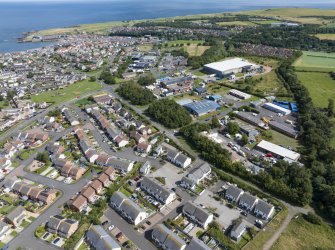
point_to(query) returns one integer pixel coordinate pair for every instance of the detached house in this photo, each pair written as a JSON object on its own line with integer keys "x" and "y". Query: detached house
{"x": 63, "y": 227}
{"x": 16, "y": 216}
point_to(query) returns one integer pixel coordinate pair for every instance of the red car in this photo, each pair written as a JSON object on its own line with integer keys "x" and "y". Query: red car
{"x": 269, "y": 155}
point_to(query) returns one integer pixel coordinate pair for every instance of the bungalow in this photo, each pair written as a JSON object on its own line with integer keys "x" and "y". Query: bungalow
{"x": 247, "y": 201}
{"x": 79, "y": 203}
{"x": 155, "y": 189}
{"x": 98, "y": 238}
{"x": 233, "y": 193}
{"x": 238, "y": 230}
{"x": 16, "y": 216}
{"x": 166, "y": 239}
{"x": 197, "y": 214}
{"x": 264, "y": 210}
{"x": 127, "y": 208}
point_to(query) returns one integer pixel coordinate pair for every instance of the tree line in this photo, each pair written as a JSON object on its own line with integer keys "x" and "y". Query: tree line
{"x": 136, "y": 94}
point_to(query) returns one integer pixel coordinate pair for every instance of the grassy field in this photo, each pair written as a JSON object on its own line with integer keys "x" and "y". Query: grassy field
{"x": 68, "y": 93}
{"x": 185, "y": 42}
{"x": 315, "y": 61}
{"x": 238, "y": 23}
{"x": 263, "y": 236}
{"x": 295, "y": 14}
{"x": 195, "y": 50}
{"x": 326, "y": 36}
{"x": 320, "y": 85}
{"x": 281, "y": 139}
{"x": 302, "y": 235}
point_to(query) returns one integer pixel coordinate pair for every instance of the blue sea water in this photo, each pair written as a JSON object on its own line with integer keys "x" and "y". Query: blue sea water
{"x": 19, "y": 17}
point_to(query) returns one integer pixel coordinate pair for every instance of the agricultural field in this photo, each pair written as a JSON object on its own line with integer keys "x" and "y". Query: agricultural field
{"x": 315, "y": 61}
{"x": 302, "y": 235}
{"x": 191, "y": 46}
{"x": 237, "y": 23}
{"x": 320, "y": 85}
{"x": 326, "y": 36}
{"x": 301, "y": 15}
{"x": 68, "y": 93}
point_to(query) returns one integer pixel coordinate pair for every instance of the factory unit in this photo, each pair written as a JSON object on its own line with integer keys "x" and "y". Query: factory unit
{"x": 281, "y": 128}
{"x": 275, "y": 108}
{"x": 245, "y": 116}
{"x": 229, "y": 67}
{"x": 278, "y": 151}
{"x": 239, "y": 94}
{"x": 202, "y": 107}
{"x": 247, "y": 129}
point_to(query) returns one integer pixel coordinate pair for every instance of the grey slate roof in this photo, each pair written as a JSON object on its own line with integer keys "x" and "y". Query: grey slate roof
{"x": 54, "y": 222}
{"x": 263, "y": 207}
{"x": 200, "y": 214}
{"x": 234, "y": 191}
{"x": 248, "y": 199}
{"x": 156, "y": 188}
{"x": 100, "y": 239}
{"x": 17, "y": 212}
{"x": 197, "y": 173}
{"x": 197, "y": 244}
{"x": 119, "y": 164}
{"x": 169, "y": 238}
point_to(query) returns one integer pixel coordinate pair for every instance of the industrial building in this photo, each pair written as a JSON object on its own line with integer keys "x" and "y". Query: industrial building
{"x": 229, "y": 67}
{"x": 239, "y": 94}
{"x": 245, "y": 116}
{"x": 275, "y": 108}
{"x": 278, "y": 151}
{"x": 202, "y": 107}
{"x": 247, "y": 129}
{"x": 281, "y": 128}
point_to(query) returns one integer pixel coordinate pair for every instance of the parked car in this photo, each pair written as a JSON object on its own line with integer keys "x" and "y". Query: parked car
{"x": 111, "y": 227}
{"x": 55, "y": 241}
{"x": 46, "y": 235}
{"x": 105, "y": 222}
{"x": 148, "y": 222}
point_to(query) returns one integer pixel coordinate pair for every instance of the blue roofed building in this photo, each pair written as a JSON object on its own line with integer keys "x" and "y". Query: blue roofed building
{"x": 215, "y": 98}
{"x": 202, "y": 107}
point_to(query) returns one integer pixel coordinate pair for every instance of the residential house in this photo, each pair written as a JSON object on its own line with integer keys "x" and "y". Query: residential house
{"x": 34, "y": 193}
{"x": 238, "y": 230}
{"x": 247, "y": 201}
{"x": 145, "y": 168}
{"x": 47, "y": 196}
{"x": 166, "y": 239}
{"x": 76, "y": 173}
{"x": 5, "y": 162}
{"x": 110, "y": 171}
{"x": 16, "y": 216}
{"x": 264, "y": 210}
{"x": 127, "y": 208}
{"x": 178, "y": 158}
{"x": 57, "y": 224}
{"x": 9, "y": 182}
{"x": 137, "y": 137}
{"x": 104, "y": 179}
{"x": 98, "y": 238}
{"x": 4, "y": 230}
{"x": 123, "y": 165}
{"x": 79, "y": 203}
{"x": 97, "y": 186}
{"x": 196, "y": 176}
{"x": 90, "y": 194}
{"x": 233, "y": 193}
{"x": 144, "y": 148}
{"x": 155, "y": 189}
{"x": 197, "y": 244}
{"x": 197, "y": 214}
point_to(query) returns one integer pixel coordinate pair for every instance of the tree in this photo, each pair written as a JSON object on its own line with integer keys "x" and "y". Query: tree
{"x": 107, "y": 77}
{"x": 136, "y": 94}
{"x": 43, "y": 157}
{"x": 233, "y": 128}
{"x": 93, "y": 79}
{"x": 215, "y": 122}
{"x": 147, "y": 79}
{"x": 244, "y": 139}
{"x": 330, "y": 109}
{"x": 11, "y": 97}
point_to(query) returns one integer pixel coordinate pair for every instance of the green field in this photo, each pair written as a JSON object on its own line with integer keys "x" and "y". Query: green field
{"x": 237, "y": 23}
{"x": 315, "y": 61}
{"x": 320, "y": 85}
{"x": 326, "y": 36}
{"x": 302, "y": 235}
{"x": 75, "y": 90}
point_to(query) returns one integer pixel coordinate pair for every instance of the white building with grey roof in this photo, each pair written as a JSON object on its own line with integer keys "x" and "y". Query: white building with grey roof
{"x": 128, "y": 209}
{"x": 197, "y": 214}
{"x": 264, "y": 210}
{"x": 233, "y": 193}
{"x": 123, "y": 165}
{"x": 98, "y": 238}
{"x": 197, "y": 244}
{"x": 157, "y": 190}
{"x": 195, "y": 176}
{"x": 238, "y": 230}
{"x": 247, "y": 201}
{"x": 166, "y": 239}
{"x": 178, "y": 158}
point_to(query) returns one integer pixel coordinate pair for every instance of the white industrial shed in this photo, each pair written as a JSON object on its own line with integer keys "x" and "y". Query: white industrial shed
{"x": 276, "y": 150}
{"x": 228, "y": 67}
{"x": 276, "y": 108}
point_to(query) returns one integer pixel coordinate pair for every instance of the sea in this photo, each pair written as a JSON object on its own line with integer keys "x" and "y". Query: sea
{"x": 19, "y": 16}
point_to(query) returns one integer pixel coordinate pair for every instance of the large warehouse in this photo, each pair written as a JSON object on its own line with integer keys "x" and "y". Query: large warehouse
{"x": 229, "y": 67}
{"x": 276, "y": 108}
{"x": 202, "y": 107}
{"x": 278, "y": 151}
